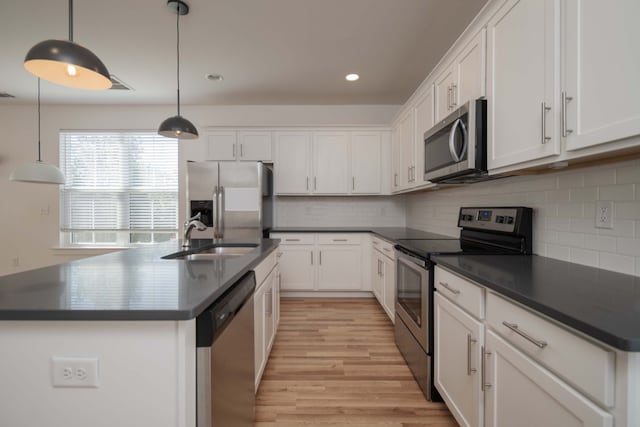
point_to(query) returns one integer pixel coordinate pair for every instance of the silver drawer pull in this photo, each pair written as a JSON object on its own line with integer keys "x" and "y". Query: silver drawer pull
{"x": 483, "y": 377}
{"x": 470, "y": 341}
{"x": 340, "y": 240}
{"x": 514, "y": 328}
{"x": 449, "y": 288}
{"x": 292, "y": 240}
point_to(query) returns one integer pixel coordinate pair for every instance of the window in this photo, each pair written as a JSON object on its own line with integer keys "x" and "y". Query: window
{"x": 121, "y": 188}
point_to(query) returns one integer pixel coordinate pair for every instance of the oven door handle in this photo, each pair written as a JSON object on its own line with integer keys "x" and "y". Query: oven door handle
{"x": 452, "y": 140}
{"x": 404, "y": 254}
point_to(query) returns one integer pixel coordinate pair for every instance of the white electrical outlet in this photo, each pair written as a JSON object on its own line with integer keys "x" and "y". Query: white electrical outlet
{"x": 604, "y": 214}
{"x": 74, "y": 372}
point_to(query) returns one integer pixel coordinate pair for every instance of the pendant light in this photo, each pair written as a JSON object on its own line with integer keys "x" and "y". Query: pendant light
{"x": 177, "y": 126}
{"x": 67, "y": 63}
{"x": 38, "y": 171}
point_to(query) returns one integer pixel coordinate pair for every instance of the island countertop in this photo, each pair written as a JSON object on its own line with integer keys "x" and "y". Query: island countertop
{"x": 134, "y": 284}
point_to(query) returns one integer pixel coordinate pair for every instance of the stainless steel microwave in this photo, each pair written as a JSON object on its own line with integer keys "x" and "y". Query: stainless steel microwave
{"x": 455, "y": 149}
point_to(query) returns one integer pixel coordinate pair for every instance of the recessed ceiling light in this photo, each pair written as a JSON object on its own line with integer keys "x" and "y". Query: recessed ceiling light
{"x": 215, "y": 77}
{"x": 352, "y": 77}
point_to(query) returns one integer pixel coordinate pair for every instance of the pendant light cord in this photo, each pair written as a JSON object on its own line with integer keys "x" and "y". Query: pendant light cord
{"x": 39, "y": 157}
{"x": 70, "y": 20}
{"x": 178, "y": 52}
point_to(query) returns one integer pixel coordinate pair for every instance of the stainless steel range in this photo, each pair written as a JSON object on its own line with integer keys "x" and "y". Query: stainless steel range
{"x": 505, "y": 230}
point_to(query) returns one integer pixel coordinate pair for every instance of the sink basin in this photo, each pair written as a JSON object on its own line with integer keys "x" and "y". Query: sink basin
{"x": 211, "y": 252}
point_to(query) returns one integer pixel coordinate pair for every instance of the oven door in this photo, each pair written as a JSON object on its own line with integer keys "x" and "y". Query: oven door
{"x": 412, "y": 296}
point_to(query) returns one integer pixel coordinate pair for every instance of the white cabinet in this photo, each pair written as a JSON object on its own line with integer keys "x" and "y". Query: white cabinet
{"x": 523, "y": 81}
{"x": 521, "y": 392}
{"x": 266, "y": 306}
{"x": 404, "y": 152}
{"x": 330, "y": 162}
{"x": 464, "y": 79}
{"x": 602, "y": 66}
{"x": 366, "y": 163}
{"x": 458, "y": 340}
{"x": 383, "y": 275}
{"x": 239, "y": 145}
{"x": 396, "y": 159}
{"x": 424, "y": 113}
{"x": 292, "y": 168}
{"x": 320, "y": 262}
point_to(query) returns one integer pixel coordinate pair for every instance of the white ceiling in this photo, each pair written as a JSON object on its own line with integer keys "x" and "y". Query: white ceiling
{"x": 269, "y": 51}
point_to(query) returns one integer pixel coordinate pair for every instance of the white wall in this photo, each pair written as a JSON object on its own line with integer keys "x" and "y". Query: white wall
{"x": 387, "y": 211}
{"x": 29, "y": 214}
{"x": 564, "y": 212}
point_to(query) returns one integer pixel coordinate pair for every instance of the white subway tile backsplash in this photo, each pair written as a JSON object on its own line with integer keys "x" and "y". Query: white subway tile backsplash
{"x": 536, "y": 197}
{"x": 581, "y": 225}
{"x": 620, "y": 263}
{"x": 558, "y": 196}
{"x": 571, "y": 180}
{"x": 570, "y": 210}
{"x": 628, "y": 246}
{"x": 558, "y": 224}
{"x": 621, "y": 228}
{"x": 599, "y": 176}
{"x": 558, "y": 252}
{"x": 600, "y": 243}
{"x": 589, "y": 210}
{"x": 570, "y": 239}
{"x": 584, "y": 257}
{"x": 587, "y": 194}
{"x": 622, "y": 192}
{"x": 628, "y": 175}
{"x": 627, "y": 210}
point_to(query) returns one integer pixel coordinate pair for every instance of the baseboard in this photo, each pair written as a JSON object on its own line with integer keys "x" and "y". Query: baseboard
{"x": 325, "y": 294}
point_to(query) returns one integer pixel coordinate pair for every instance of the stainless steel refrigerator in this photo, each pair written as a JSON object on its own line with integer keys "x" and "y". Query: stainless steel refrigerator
{"x": 234, "y": 199}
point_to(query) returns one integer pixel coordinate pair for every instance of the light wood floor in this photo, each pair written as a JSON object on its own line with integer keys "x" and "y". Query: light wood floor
{"x": 335, "y": 363}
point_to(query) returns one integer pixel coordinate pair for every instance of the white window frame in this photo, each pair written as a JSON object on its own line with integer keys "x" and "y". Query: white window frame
{"x": 118, "y": 236}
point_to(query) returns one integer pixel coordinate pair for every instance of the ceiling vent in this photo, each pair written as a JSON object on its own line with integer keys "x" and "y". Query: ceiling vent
{"x": 119, "y": 84}
{"x": 6, "y": 95}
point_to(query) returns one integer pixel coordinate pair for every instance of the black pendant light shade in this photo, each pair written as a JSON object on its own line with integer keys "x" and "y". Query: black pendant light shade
{"x": 67, "y": 63}
{"x": 177, "y": 126}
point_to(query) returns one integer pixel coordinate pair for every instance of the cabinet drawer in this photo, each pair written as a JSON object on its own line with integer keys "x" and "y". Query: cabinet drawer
{"x": 339, "y": 239}
{"x": 467, "y": 295}
{"x": 383, "y": 246}
{"x": 587, "y": 366}
{"x": 263, "y": 269}
{"x": 294, "y": 238}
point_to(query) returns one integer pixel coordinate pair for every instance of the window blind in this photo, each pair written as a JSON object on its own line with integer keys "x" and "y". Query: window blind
{"x": 119, "y": 182}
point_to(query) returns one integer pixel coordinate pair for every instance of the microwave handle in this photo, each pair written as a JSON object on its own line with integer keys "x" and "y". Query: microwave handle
{"x": 452, "y": 140}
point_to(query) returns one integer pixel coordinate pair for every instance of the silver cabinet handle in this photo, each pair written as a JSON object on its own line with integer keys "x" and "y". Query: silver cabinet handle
{"x": 395, "y": 179}
{"x": 315, "y": 183}
{"x": 409, "y": 174}
{"x": 545, "y": 138}
{"x": 483, "y": 380}
{"x": 340, "y": 240}
{"x": 291, "y": 240}
{"x": 234, "y": 149}
{"x": 241, "y": 151}
{"x": 449, "y": 97}
{"x": 449, "y": 288}
{"x": 311, "y": 257}
{"x": 353, "y": 183}
{"x": 379, "y": 273}
{"x": 320, "y": 257}
{"x": 514, "y": 328}
{"x": 565, "y": 100}
{"x": 470, "y": 340}
{"x": 307, "y": 183}
{"x": 454, "y": 89}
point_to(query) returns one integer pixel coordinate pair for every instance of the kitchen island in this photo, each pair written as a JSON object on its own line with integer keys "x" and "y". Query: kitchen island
{"x": 131, "y": 314}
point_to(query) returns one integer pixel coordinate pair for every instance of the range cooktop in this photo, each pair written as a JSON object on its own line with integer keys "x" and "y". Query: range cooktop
{"x": 426, "y": 248}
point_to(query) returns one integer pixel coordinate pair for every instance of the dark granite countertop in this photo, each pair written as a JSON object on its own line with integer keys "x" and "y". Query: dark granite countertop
{"x": 135, "y": 284}
{"x": 600, "y": 303}
{"x": 389, "y": 233}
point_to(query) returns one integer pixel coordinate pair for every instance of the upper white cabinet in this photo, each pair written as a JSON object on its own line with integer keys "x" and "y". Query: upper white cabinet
{"x": 366, "y": 162}
{"x": 602, "y": 65}
{"x": 407, "y": 138}
{"x": 462, "y": 80}
{"x": 292, "y": 167}
{"x": 240, "y": 145}
{"x": 523, "y": 69}
{"x": 424, "y": 114}
{"x": 330, "y": 162}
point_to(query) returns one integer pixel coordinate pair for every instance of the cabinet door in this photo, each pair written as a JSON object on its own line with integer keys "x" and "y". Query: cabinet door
{"x": 254, "y": 145}
{"x": 366, "y": 162}
{"x": 470, "y": 70}
{"x": 293, "y": 158}
{"x": 522, "y": 393}
{"x": 396, "y": 159}
{"x": 297, "y": 270}
{"x": 407, "y": 136}
{"x": 339, "y": 268}
{"x": 389, "y": 287}
{"x": 330, "y": 162}
{"x": 377, "y": 277}
{"x": 457, "y": 344}
{"x": 276, "y": 299}
{"x": 269, "y": 325}
{"x": 602, "y": 69}
{"x": 222, "y": 146}
{"x": 444, "y": 93}
{"x": 424, "y": 112}
{"x": 521, "y": 87}
{"x": 258, "y": 336}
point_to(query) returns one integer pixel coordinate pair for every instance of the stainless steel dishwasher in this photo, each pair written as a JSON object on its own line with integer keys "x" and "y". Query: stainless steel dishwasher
{"x": 225, "y": 359}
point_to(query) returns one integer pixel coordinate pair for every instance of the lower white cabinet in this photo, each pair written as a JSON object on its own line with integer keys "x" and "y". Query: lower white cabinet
{"x": 266, "y": 306}
{"x": 520, "y": 392}
{"x": 383, "y": 275}
{"x": 320, "y": 261}
{"x": 458, "y": 341}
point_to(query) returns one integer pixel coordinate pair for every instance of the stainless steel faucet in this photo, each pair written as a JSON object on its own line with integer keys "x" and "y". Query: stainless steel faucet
{"x": 189, "y": 225}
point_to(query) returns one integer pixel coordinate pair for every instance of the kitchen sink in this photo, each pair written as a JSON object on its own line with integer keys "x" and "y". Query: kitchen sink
{"x": 215, "y": 251}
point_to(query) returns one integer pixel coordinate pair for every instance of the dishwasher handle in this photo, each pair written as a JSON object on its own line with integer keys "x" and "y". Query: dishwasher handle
{"x": 212, "y": 321}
